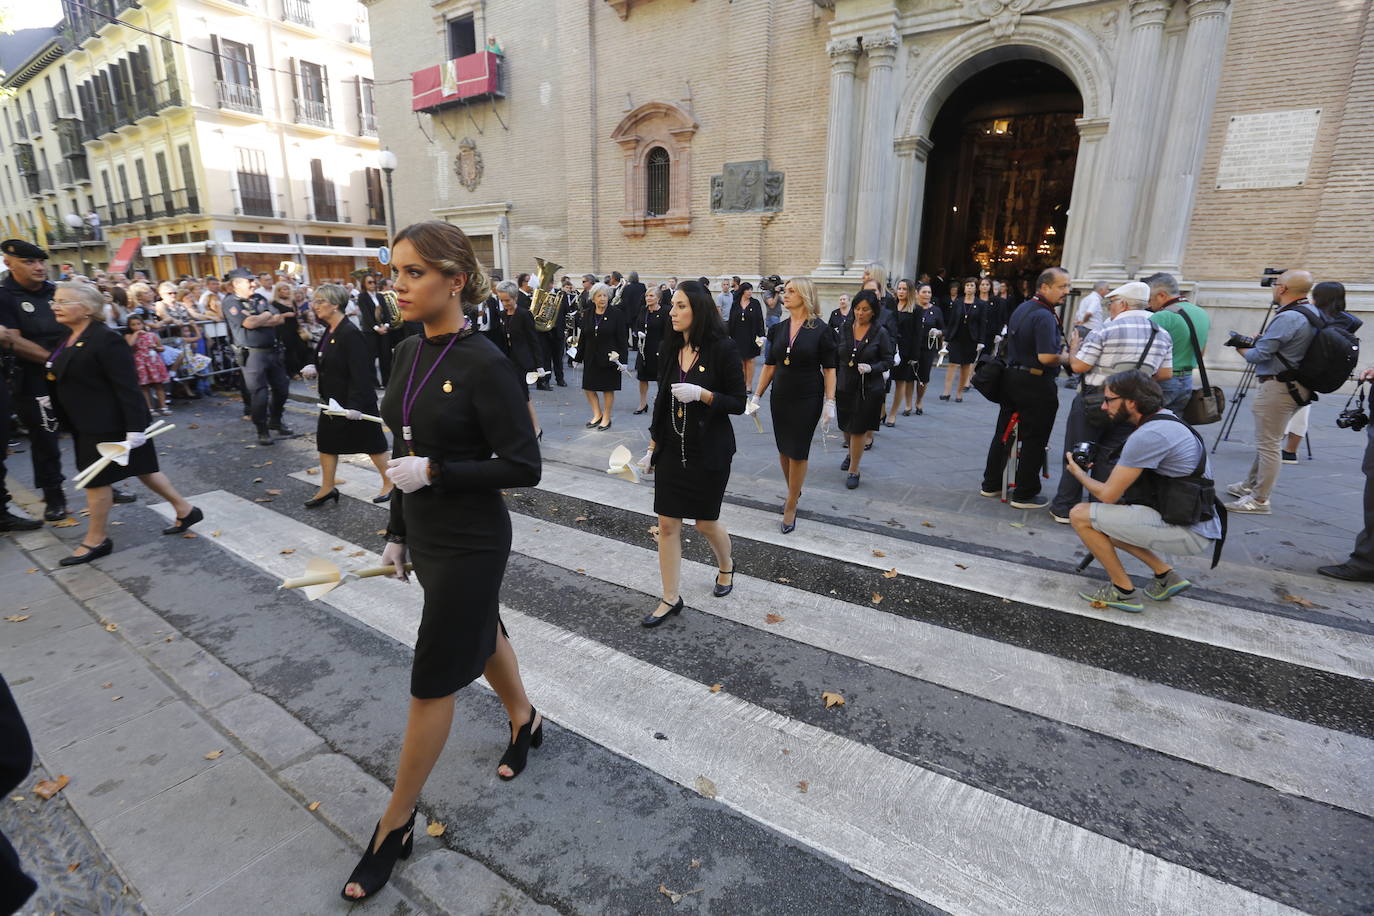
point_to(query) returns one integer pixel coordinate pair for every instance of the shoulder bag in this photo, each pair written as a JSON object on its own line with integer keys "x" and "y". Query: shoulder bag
{"x": 1206, "y": 404}
{"x": 1093, "y": 413}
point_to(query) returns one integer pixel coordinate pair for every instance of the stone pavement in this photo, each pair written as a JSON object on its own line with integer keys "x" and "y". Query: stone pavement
{"x": 148, "y": 727}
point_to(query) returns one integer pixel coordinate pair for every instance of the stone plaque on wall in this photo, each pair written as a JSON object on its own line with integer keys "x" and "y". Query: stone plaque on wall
{"x": 1268, "y": 149}
{"x": 746, "y": 187}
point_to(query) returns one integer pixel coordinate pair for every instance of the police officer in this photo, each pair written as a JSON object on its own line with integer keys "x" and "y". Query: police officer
{"x": 252, "y": 326}
{"x": 31, "y": 333}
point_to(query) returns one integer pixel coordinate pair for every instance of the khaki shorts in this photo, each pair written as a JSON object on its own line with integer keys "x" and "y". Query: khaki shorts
{"x": 1141, "y": 526}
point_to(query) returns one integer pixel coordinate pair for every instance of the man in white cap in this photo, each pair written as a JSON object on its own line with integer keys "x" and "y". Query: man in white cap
{"x": 1128, "y": 339}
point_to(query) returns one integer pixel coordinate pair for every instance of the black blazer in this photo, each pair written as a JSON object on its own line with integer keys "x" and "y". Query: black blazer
{"x": 966, "y": 317}
{"x": 746, "y": 326}
{"x": 876, "y": 349}
{"x": 368, "y": 312}
{"x": 632, "y": 301}
{"x": 516, "y": 338}
{"x": 96, "y": 386}
{"x": 594, "y": 347}
{"x": 344, "y": 361}
{"x": 720, "y": 371}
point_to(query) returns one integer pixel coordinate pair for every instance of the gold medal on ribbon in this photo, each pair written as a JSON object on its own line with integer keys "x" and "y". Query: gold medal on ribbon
{"x": 448, "y": 387}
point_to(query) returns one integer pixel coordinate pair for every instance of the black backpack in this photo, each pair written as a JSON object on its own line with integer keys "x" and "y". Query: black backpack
{"x": 1330, "y": 358}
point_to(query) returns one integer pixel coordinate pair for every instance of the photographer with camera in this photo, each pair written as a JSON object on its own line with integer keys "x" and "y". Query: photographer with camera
{"x": 1159, "y": 496}
{"x": 1359, "y": 567}
{"x": 1283, "y": 345}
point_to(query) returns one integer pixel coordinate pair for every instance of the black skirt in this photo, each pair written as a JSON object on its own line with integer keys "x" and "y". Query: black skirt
{"x": 963, "y": 349}
{"x": 600, "y": 377}
{"x": 794, "y": 424}
{"x": 142, "y": 460}
{"x": 342, "y": 436}
{"x": 688, "y": 492}
{"x": 924, "y": 362}
{"x": 858, "y": 411}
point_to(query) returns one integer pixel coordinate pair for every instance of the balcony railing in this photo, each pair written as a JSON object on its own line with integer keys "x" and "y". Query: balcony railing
{"x": 178, "y": 202}
{"x": 238, "y": 97}
{"x": 109, "y": 118}
{"x": 23, "y": 155}
{"x": 334, "y": 211}
{"x": 257, "y": 206}
{"x": 367, "y": 124}
{"x": 316, "y": 114}
{"x": 69, "y": 137}
{"x": 64, "y": 106}
{"x": 63, "y": 235}
{"x": 297, "y": 11}
{"x": 457, "y": 82}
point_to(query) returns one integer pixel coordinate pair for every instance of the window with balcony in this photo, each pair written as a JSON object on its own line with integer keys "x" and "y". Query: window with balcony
{"x": 297, "y": 11}
{"x": 236, "y": 75}
{"x": 462, "y": 37}
{"x": 255, "y": 187}
{"x": 312, "y": 94}
{"x": 326, "y": 207}
{"x": 367, "y": 110}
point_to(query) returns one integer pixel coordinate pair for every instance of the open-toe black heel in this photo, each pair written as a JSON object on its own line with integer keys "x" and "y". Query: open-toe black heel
{"x": 374, "y": 871}
{"x": 519, "y": 749}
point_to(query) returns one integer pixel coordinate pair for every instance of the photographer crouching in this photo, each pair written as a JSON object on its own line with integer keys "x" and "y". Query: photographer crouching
{"x": 1159, "y": 496}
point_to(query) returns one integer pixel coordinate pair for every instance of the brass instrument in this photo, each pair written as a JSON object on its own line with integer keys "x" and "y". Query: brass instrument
{"x": 391, "y": 311}
{"x": 544, "y": 303}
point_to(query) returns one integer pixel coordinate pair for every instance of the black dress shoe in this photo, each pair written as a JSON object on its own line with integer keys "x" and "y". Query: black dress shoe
{"x": 92, "y": 553}
{"x": 123, "y": 498}
{"x": 385, "y": 497}
{"x": 1347, "y": 571}
{"x": 788, "y": 529}
{"x": 720, "y": 591}
{"x": 321, "y": 500}
{"x": 55, "y": 513}
{"x": 851, "y": 482}
{"x": 592, "y": 423}
{"x": 11, "y": 522}
{"x": 562, "y": 384}
{"x": 642, "y": 410}
{"x": 282, "y": 430}
{"x": 184, "y": 524}
{"x": 605, "y": 426}
{"x": 652, "y": 621}
{"x": 374, "y": 871}
{"x": 944, "y": 397}
{"x": 518, "y": 750}
{"x": 264, "y": 437}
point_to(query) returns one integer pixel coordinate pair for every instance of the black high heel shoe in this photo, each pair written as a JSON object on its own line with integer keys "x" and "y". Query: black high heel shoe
{"x": 385, "y": 497}
{"x": 590, "y": 423}
{"x": 652, "y": 621}
{"x": 374, "y": 871}
{"x": 644, "y": 409}
{"x": 604, "y": 426}
{"x": 519, "y": 749}
{"x": 321, "y": 500}
{"x": 720, "y": 591}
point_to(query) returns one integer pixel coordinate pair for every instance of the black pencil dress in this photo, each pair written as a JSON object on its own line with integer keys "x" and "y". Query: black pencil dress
{"x": 653, "y": 325}
{"x": 927, "y": 320}
{"x": 601, "y": 336}
{"x": 964, "y": 331}
{"x": 798, "y": 388}
{"x": 907, "y": 345}
{"x": 859, "y": 397}
{"x": 745, "y": 327}
{"x": 470, "y": 419}
{"x": 344, "y": 361}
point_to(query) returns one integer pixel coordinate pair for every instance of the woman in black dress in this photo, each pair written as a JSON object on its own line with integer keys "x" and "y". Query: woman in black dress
{"x": 95, "y": 389}
{"x": 994, "y": 311}
{"x": 464, "y": 436}
{"x": 295, "y": 346}
{"x": 518, "y": 339}
{"x": 650, "y": 330}
{"x": 343, "y": 362}
{"x": 904, "y": 367}
{"x": 930, "y": 334}
{"x": 964, "y": 333}
{"x": 864, "y": 354}
{"x": 746, "y": 329}
{"x": 801, "y": 363}
{"x": 839, "y": 315}
{"x": 691, "y": 441}
{"x": 603, "y": 343}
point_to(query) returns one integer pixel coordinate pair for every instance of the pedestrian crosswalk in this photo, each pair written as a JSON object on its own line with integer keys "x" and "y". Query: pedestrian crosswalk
{"x": 972, "y": 770}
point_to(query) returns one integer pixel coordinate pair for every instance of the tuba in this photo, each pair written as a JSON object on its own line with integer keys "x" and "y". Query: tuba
{"x": 544, "y": 303}
{"x": 391, "y": 312}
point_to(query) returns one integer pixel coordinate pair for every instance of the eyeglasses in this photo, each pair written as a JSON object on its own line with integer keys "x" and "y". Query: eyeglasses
{"x": 1115, "y": 397}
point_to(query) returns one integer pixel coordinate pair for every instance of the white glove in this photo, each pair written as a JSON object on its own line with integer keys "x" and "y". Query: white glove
{"x": 827, "y": 413}
{"x": 309, "y": 371}
{"x": 758, "y": 341}
{"x": 686, "y": 392}
{"x": 646, "y": 463}
{"x": 864, "y": 368}
{"x": 623, "y": 367}
{"x": 395, "y": 555}
{"x": 409, "y": 473}
{"x": 380, "y": 328}
{"x": 752, "y": 407}
{"x": 614, "y": 356}
{"x": 352, "y": 414}
{"x": 135, "y": 440}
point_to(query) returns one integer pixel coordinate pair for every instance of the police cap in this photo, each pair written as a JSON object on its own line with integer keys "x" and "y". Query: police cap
{"x": 239, "y": 273}
{"x": 19, "y": 248}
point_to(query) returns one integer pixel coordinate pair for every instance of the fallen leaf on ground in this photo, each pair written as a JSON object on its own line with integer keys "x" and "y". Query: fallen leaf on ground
{"x": 1100, "y": 605}
{"x": 190, "y": 535}
{"x": 168, "y": 639}
{"x": 774, "y": 618}
{"x": 671, "y": 895}
{"x": 312, "y": 806}
{"x": 381, "y": 531}
{"x": 653, "y": 531}
{"x": 927, "y": 524}
{"x": 278, "y": 492}
{"x": 879, "y": 553}
{"x": 73, "y": 867}
{"x": 1299, "y": 601}
{"x": 16, "y": 798}
{"x": 107, "y": 685}
{"x": 287, "y": 551}
{"x": 877, "y": 598}
{"x": 34, "y": 570}
{"x": 891, "y": 573}
{"x": 358, "y": 553}
{"x": 580, "y": 518}
{"x": 832, "y": 699}
{"x": 216, "y": 533}
{"x": 263, "y": 499}
{"x": 706, "y": 787}
{"x": 580, "y": 570}
{"x": 18, "y": 618}
{"x": 116, "y": 698}
{"x": 803, "y": 786}
{"x": 337, "y": 547}
{"x": 257, "y": 480}
{"x": 696, "y": 863}
{"x": 116, "y": 523}
{"x": 784, "y": 580}
{"x": 435, "y": 829}
{"x": 787, "y": 750}
{"x": 214, "y": 755}
{"x": 312, "y": 471}
{"x": 111, "y": 627}
{"x": 715, "y": 688}
{"x": 961, "y": 565}
{"x": 193, "y": 426}
{"x": 1017, "y": 524}
{"x": 47, "y": 788}
{"x": 67, "y": 522}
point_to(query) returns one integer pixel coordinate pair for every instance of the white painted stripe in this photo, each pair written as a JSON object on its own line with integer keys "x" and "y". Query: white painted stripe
{"x": 930, "y": 836}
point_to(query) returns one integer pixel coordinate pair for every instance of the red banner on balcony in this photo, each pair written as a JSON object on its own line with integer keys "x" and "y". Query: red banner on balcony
{"x": 128, "y": 249}
{"x": 455, "y": 80}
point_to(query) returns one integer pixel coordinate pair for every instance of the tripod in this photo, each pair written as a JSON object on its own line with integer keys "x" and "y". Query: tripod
{"x": 1242, "y": 389}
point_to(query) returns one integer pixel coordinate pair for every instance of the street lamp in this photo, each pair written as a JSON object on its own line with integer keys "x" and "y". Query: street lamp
{"x": 387, "y": 160}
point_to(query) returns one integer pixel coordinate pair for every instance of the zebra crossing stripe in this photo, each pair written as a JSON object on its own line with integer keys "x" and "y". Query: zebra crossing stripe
{"x": 949, "y": 844}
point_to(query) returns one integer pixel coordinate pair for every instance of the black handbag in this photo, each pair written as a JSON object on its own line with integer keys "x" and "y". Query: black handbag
{"x": 990, "y": 369}
{"x": 1094, "y": 415}
{"x": 1208, "y": 403}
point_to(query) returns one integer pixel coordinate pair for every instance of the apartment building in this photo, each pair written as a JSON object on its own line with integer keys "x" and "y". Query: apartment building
{"x": 193, "y": 136}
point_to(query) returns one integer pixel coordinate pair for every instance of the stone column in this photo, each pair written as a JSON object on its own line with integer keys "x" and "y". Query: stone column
{"x": 912, "y": 153}
{"x": 1083, "y": 216}
{"x": 844, "y": 57}
{"x": 1133, "y": 112}
{"x": 1199, "y": 72}
{"x": 875, "y": 147}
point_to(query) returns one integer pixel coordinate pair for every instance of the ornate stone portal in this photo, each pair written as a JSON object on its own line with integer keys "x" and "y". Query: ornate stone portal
{"x": 746, "y": 187}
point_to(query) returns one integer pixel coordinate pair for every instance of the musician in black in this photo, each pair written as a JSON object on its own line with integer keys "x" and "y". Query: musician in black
{"x": 652, "y": 322}
{"x": 458, "y": 404}
{"x": 864, "y": 354}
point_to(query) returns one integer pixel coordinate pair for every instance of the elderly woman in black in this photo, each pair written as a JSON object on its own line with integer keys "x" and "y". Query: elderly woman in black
{"x": 458, "y": 404}
{"x": 650, "y": 328}
{"x": 691, "y": 441}
{"x": 343, "y": 363}
{"x": 801, "y": 361}
{"x": 95, "y": 387}
{"x": 602, "y": 345}
{"x": 746, "y": 329}
{"x": 518, "y": 339}
{"x": 864, "y": 354}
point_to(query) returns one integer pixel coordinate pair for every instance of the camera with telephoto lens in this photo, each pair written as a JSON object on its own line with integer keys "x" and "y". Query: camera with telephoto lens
{"x": 1083, "y": 454}
{"x": 1239, "y": 341}
{"x": 1354, "y": 417}
{"x": 1270, "y": 275}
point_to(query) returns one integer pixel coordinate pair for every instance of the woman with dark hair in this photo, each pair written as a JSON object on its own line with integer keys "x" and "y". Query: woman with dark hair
{"x": 296, "y": 348}
{"x": 650, "y": 331}
{"x": 904, "y": 370}
{"x": 691, "y": 441}
{"x": 464, "y": 437}
{"x": 929, "y": 334}
{"x": 343, "y": 363}
{"x": 517, "y": 338}
{"x": 963, "y": 332}
{"x": 601, "y": 346}
{"x": 864, "y": 354}
{"x": 994, "y": 311}
{"x": 746, "y": 328}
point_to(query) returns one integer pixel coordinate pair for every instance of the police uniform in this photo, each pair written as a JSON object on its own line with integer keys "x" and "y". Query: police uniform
{"x": 264, "y": 374}
{"x": 29, "y": 311}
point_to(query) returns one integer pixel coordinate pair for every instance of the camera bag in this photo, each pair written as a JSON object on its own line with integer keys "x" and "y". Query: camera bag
{"x": 1206, "y": 404}
{"x": 1330, "y": 359}
{"x": 1180, "y": 500}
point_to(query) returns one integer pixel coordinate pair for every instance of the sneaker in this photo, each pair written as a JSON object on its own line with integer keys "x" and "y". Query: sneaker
{"x": 1290, "y": 457}
{"x": 1111, "y": 596}
{"x": 989, "y": 493}
{"x": 1029, "y": 504}
{"x": 1166, "y": 588}
{"x": 1251, "y": 504}
{"x": 1061, "y": 519}
{"x": 11, "y": 522}
{"x": 1239, "y": 488}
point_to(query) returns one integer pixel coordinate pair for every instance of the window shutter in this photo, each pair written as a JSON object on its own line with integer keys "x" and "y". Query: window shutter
{"x": 252, "y": 66}
{"x": 358, "y": 94}
{"x": 295, "y": 81}
{"x": 324, "y": 91}
{"x": 219, "y": 66}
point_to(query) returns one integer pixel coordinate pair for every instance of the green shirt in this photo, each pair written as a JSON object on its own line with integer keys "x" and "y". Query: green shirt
{"x": 1185, "y": 360}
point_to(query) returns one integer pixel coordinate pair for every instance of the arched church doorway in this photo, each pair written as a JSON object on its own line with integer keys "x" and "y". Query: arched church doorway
{"x": 1000, "y": 173}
